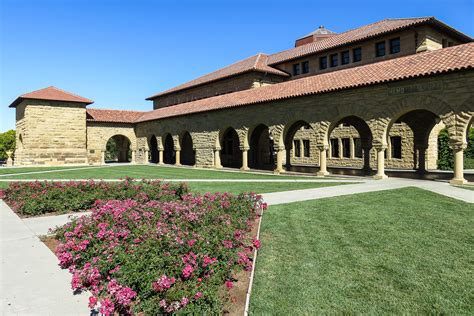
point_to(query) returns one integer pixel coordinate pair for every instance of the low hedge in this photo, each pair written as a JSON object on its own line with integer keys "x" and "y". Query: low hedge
{"x": 160, "y": 257}
{"x": 36, "y": 198}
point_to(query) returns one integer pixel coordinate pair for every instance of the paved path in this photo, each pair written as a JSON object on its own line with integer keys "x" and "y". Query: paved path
{"x": 315, "y": 180}
{"x": 33, "y": 284}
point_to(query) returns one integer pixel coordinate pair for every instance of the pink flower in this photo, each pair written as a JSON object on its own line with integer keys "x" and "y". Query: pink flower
{"x": 227, "y": 244}
{"x": 198, "y": 295}
{"x": 191, "y": 242}
{"x": 256, "y": 243}
{"x": 264, "y": 206}
{"x": 92, "y": 302}
{"x": 107, "y": 307}
{"x": 187, "y": 271}
{"x": 229, "y": 284}
{"x": 184, "y": 301}
{"x": 163, "y": 283}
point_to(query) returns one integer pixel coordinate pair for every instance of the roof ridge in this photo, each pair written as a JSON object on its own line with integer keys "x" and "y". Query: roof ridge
{"x": 95, "y": 109}
{"x": 67, "y": 92}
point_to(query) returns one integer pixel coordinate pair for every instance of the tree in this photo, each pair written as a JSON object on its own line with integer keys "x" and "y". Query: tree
{"x": 7, "y": 142}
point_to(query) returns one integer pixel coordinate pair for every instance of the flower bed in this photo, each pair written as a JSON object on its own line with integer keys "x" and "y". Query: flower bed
{"x": 37, "y": 198}
{"x": 160, "y": 256}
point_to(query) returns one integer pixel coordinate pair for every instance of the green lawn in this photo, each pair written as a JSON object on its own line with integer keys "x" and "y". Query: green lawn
{"x": 467, "y": 187}
{"x": 148, "y": 172}
{"x": 4, "y": 170}
{"x": 399, "y": 251}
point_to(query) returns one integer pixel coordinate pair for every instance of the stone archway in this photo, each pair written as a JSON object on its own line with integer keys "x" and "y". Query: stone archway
{"x": 262, "y": 151}
{"x": 169, "y": 153}
{"x": 230, "y": 153}
{"x": 188, "y": 155}
{"x": 118, "y": 149}
{"x": 297, "y": 139}
{"x": 349, "y": 142}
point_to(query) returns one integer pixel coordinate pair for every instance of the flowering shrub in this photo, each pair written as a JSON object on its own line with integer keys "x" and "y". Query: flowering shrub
{"x": 160, "y": 256}
{"x": 36, "y": 198}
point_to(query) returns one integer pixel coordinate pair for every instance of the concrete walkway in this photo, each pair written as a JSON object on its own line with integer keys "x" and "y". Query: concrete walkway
{"x": 33, "y": 284}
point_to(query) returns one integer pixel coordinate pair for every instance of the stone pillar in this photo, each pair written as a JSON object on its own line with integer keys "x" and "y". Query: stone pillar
{"x": 380, "y": 163}
{"x": 279, "y": 162}
{"x": 178, "y": 157}
{"x": 245, "y": 155}
{"x": 9, "y": 159}
{"x": 341, "y": 148}
{"x": 323, "y": 171}
{"x": 217, "y": 159}
{"x": 301, "y": 148}
{"x": 134, "y": 154}
{"x": 421, "y": 157}
{"x": 160, "y": 156}
{"x": 458, "y": 164}
{"x": 147, "y": 158}
{"x": 102, "y": 157}
{"x": 352, "y": 147}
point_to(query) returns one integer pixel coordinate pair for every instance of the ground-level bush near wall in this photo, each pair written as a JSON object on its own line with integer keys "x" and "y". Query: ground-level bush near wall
{"x": 160, "y": 256}
{"x": 36, "y": 198}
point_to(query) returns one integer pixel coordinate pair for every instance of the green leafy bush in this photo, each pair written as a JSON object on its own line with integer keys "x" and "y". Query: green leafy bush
{"x": 36, "y": 198}
{"x": 7, "y": 142}
{"x": 445, "y": 153}
{"x": 160, "y": 257}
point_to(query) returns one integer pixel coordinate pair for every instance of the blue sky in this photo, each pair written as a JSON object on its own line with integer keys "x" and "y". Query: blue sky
{"x": 117, "y": 53}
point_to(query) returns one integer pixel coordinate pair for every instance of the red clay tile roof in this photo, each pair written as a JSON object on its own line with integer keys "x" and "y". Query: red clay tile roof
{"x": 256, "y": 63}
{"x": 356, "y": 35}
{"x": 53, "y": 94}
{"x": 113, "y": 116}
{"x": 418, "y": 65}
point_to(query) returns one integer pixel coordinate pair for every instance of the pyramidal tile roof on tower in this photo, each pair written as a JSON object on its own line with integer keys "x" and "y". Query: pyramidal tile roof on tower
{"x": 52, "y": 94}
{"x": 256, "y": 63}
{"x": 418, "y": 65}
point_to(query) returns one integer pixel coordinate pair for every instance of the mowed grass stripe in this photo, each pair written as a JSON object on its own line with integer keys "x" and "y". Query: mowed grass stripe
{"x": 149, "y": 172}
{"x": 398, "y": 251}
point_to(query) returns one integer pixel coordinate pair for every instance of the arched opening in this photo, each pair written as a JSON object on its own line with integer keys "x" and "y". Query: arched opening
{"x": 169, "y": 154}
{"x": 230, "y": 154}
{"x": 469, "y": 152}
{"x": 408, "y": 140}
{"x": 262, "y": 152}
{"x": 350, "y": 141}
{"x": 153, "y": 149}
{"x": 118, "y": 149}
{"x": 188, "y": 155}
{"x": 300, "y": 140}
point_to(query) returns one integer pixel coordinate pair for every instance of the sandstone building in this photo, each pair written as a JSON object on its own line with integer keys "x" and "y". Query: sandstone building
{"x": 364, "y": 100}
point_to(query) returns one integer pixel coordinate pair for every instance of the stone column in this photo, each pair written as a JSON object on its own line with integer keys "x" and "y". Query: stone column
{"x": 102, "y": 157}
{"x": 301, "y": 148}
{"x": 147, "y": 158}
{"x": 178, "y": 157}
{"x": 134, "y": 154}
{"x": 352, "y": 148}
{"x": 217, "y": 158}
{"x": 323, "y": 171}
{"x": 160, "y": 156}
{"x": 9, "y": 159}
{"x": 245, "y": 155}
{"x": 341, "y": 148}
{"x": 458, "y": 164}
{"x": 380, "y": 163}
{"x": 279, "y": 162}
{"x": 421, "y": 157}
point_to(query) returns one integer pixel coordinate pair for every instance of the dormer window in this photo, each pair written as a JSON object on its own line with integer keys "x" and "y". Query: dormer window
{"x": 323, "y": 62}
{"x": 380, "y": 49}
{"x": 334, "y": 60}
{"x": 345, "y": 59}
{"x": 296, "y": 69}
{"x": 395, "y": 45}
{"x": 305, "y": 65}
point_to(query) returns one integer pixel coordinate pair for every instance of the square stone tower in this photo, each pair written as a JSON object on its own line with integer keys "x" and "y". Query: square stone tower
{"x": 50, "y": 128}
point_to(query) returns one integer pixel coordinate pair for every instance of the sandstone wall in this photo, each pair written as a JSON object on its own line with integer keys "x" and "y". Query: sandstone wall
{"x": 51, "y": 133}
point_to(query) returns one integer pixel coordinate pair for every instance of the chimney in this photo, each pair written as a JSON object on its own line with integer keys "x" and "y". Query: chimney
{"x": 319, "y": 34}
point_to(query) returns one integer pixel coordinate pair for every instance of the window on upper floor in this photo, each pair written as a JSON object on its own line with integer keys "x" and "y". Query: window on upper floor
{"x": 356, "y": 54}
{"x": 380, "y": 49}
{"x": 345, "y": 59}
{"x": 306, "y": 147}
{"x": 323, "y": 62}
{"x": 305, "y": 66}
{"x": 296, "y": 69}
{"x": 395, "y": 45}
{"x": 334, "y": 60}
